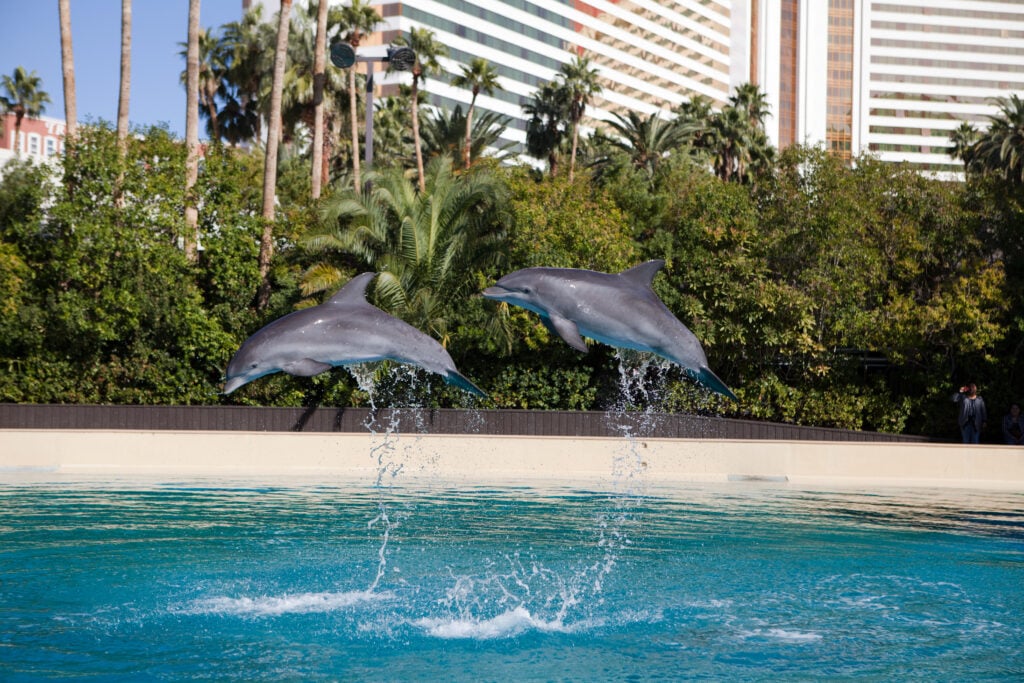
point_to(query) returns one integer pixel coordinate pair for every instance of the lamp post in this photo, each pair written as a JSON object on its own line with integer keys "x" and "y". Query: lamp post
{"x": 344, "y": 56}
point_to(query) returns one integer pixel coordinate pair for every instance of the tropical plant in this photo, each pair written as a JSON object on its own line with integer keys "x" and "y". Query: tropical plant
{"x": 582, "y": 83}
{"x": 444, "y": 134}
{"x": 428, "y": 51}
{"x": 24, "y": 97}
{"x": 247, "y": 46}
{"x": 751, "y": 100}
{"x": 67, "y": 63}
{"x": 214, "y": 56}
{"x": 391, "y": 125}
{"x": 962, "y": 144}
{"x": 424, "y": 244}
{"x": 318, "y": 167}
{"x": 546, "y": 128}
{"x": 124, "y": 89}
{"x": 270, "y": 160}
{"x": 479, "y": 76}
{"x": 647, "y": 140}
{"x": 359, "y": 19}
{"x": 1001, "y": 148}
{"x": 192, "y": 131}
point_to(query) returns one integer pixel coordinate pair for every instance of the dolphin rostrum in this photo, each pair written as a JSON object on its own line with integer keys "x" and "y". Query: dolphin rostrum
{"x": 344, "y": 330}
{"x": 618, "y": 309}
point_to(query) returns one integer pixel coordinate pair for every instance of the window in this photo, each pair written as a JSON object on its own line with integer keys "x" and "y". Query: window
{"x": 33, "y": 144}
{"x": 51, "y": 146}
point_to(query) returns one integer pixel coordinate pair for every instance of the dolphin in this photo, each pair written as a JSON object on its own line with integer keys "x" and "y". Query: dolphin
{"x": 618, "y": 309}
{"x": 344, "y": 330}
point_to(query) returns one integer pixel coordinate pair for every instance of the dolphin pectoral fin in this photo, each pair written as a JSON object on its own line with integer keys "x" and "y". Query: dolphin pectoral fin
{"x": 567, "y": 330}
{"x": 459, "y": 380}
{"x": 306, "y": 367}
{"x": 709, "y": 379}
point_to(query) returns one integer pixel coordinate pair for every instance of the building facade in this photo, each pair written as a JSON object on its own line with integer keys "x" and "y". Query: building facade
{"x": 39, "y": 138}
{"x": 859, "y": 76}
{"x": 892, "y": 79}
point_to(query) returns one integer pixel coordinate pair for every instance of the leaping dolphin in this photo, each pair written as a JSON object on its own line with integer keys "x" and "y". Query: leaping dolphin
{"x": 344, "y": 330}
{"x": 618, "y": 309}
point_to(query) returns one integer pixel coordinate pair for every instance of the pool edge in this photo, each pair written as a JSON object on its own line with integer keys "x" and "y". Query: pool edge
{"x": 463, "y": 459}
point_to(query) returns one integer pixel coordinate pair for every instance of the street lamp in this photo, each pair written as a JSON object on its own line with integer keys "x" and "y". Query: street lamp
{"x": 399, "y": 58}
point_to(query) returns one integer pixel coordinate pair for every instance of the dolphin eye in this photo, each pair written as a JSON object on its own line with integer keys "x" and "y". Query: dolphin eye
{"x": 254, "y": 365}
{"x": 526, "y": 290}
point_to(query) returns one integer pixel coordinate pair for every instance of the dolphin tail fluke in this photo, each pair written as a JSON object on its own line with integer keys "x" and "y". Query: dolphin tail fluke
{"x": 709, "y": 379}
{"x": 460, "y": 381}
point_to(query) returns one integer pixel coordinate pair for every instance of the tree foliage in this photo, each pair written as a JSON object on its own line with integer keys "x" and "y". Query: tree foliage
{"x": 824, "y": 294}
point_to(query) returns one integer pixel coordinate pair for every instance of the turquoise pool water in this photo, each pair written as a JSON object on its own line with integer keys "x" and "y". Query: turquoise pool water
{"x": 742, "y": 581}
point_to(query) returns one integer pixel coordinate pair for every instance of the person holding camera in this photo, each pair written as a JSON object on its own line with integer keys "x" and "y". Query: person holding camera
{"x": 972, "y": 415}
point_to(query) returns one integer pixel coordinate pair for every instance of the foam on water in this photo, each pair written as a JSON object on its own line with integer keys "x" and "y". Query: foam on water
{"x": 508, "y": 624}
{"x": 274, "y": 606}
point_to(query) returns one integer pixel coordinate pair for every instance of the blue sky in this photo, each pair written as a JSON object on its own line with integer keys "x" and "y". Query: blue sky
{"x": 30, "y": 37}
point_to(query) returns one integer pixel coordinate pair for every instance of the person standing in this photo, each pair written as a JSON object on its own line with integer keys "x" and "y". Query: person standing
{"x": 1013, "y": 426}
{"x": 972, "y": 415}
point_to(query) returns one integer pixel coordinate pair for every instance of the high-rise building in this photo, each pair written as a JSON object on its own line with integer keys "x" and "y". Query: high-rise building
{"x": 893, "y": 79}
{"x": 889, "y": 78}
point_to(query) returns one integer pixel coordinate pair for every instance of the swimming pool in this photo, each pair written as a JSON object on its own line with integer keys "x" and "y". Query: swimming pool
{"x": 295, "y": 580}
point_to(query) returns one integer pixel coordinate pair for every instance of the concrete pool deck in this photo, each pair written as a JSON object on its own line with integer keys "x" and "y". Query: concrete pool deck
{"x": 484, "y": 459}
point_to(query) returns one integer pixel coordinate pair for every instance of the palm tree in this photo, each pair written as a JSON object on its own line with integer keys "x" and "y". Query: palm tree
{"x": 123, "y": 97}
{"x": 126, "y": 76}
{"x": 24, "y": 97}
{"x": 67, "y": 60}
{"x": 963, "y": 142}
{"x": 647, "y": 140}
{"x": 444, "y": 134}
{"x": 192, "y": 131}
{"x": 270, "y": 160}
{"x": 423, "y": 243}
{"x": 391, "y": 123}
{"x": 245, "y": 45}
{"x": 581, "y": 82}
{"x": 750, "y": 99}
{"x": 428, "y": 52}
{"x": 213, "y": 57}
{"x": 319, "y": 76}
{"x": 478, "y": 76}
{"x": 548, "y": 110}
{"x": 1001, "y": 148}
{"x": 729, "y": 141}
{"x": 308, "y": 96}
{"x": 359, "y": 18}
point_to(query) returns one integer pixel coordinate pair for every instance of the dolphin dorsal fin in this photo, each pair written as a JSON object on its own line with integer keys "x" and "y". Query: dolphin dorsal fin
{"x": 643, "y": 274}
{"x": 354, "y": 290}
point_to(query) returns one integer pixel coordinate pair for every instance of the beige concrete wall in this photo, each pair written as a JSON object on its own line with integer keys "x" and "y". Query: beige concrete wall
{"x": 499, "y": 459}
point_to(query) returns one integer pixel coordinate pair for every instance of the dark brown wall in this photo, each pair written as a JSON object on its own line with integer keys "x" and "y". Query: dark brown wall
{"x": 425, "y": 421}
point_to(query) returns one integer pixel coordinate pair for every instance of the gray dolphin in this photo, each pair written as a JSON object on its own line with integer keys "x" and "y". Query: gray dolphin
{"x": 344, "y": 330}
{"x": 618, "y": 309}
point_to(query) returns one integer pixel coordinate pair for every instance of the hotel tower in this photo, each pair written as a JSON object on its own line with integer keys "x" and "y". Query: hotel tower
{"x": 889, "y": 78}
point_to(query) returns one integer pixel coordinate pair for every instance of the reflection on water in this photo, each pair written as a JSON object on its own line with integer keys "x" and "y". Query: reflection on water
{"x": 242, "y": 580}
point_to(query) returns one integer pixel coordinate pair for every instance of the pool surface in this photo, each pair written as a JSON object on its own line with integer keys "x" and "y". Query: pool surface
{"x": 240, "y": 580}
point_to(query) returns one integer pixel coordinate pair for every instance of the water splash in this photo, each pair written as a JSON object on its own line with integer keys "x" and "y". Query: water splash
{"x": 274, "y": 606}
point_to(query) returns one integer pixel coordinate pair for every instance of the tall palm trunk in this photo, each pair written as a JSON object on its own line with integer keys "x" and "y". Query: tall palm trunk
{"x": 319, "y": 76}
{"x": 67, "y": 59}
{"x": 122, "y": 100}
{"x": 270, "y": 163}
{"x": 468, "y": 142}
{"x": 192, "y": 132}
{"x": 416, "y": 73}
{"x": 356, "y": 178}
{"x": 575, "y": 146}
